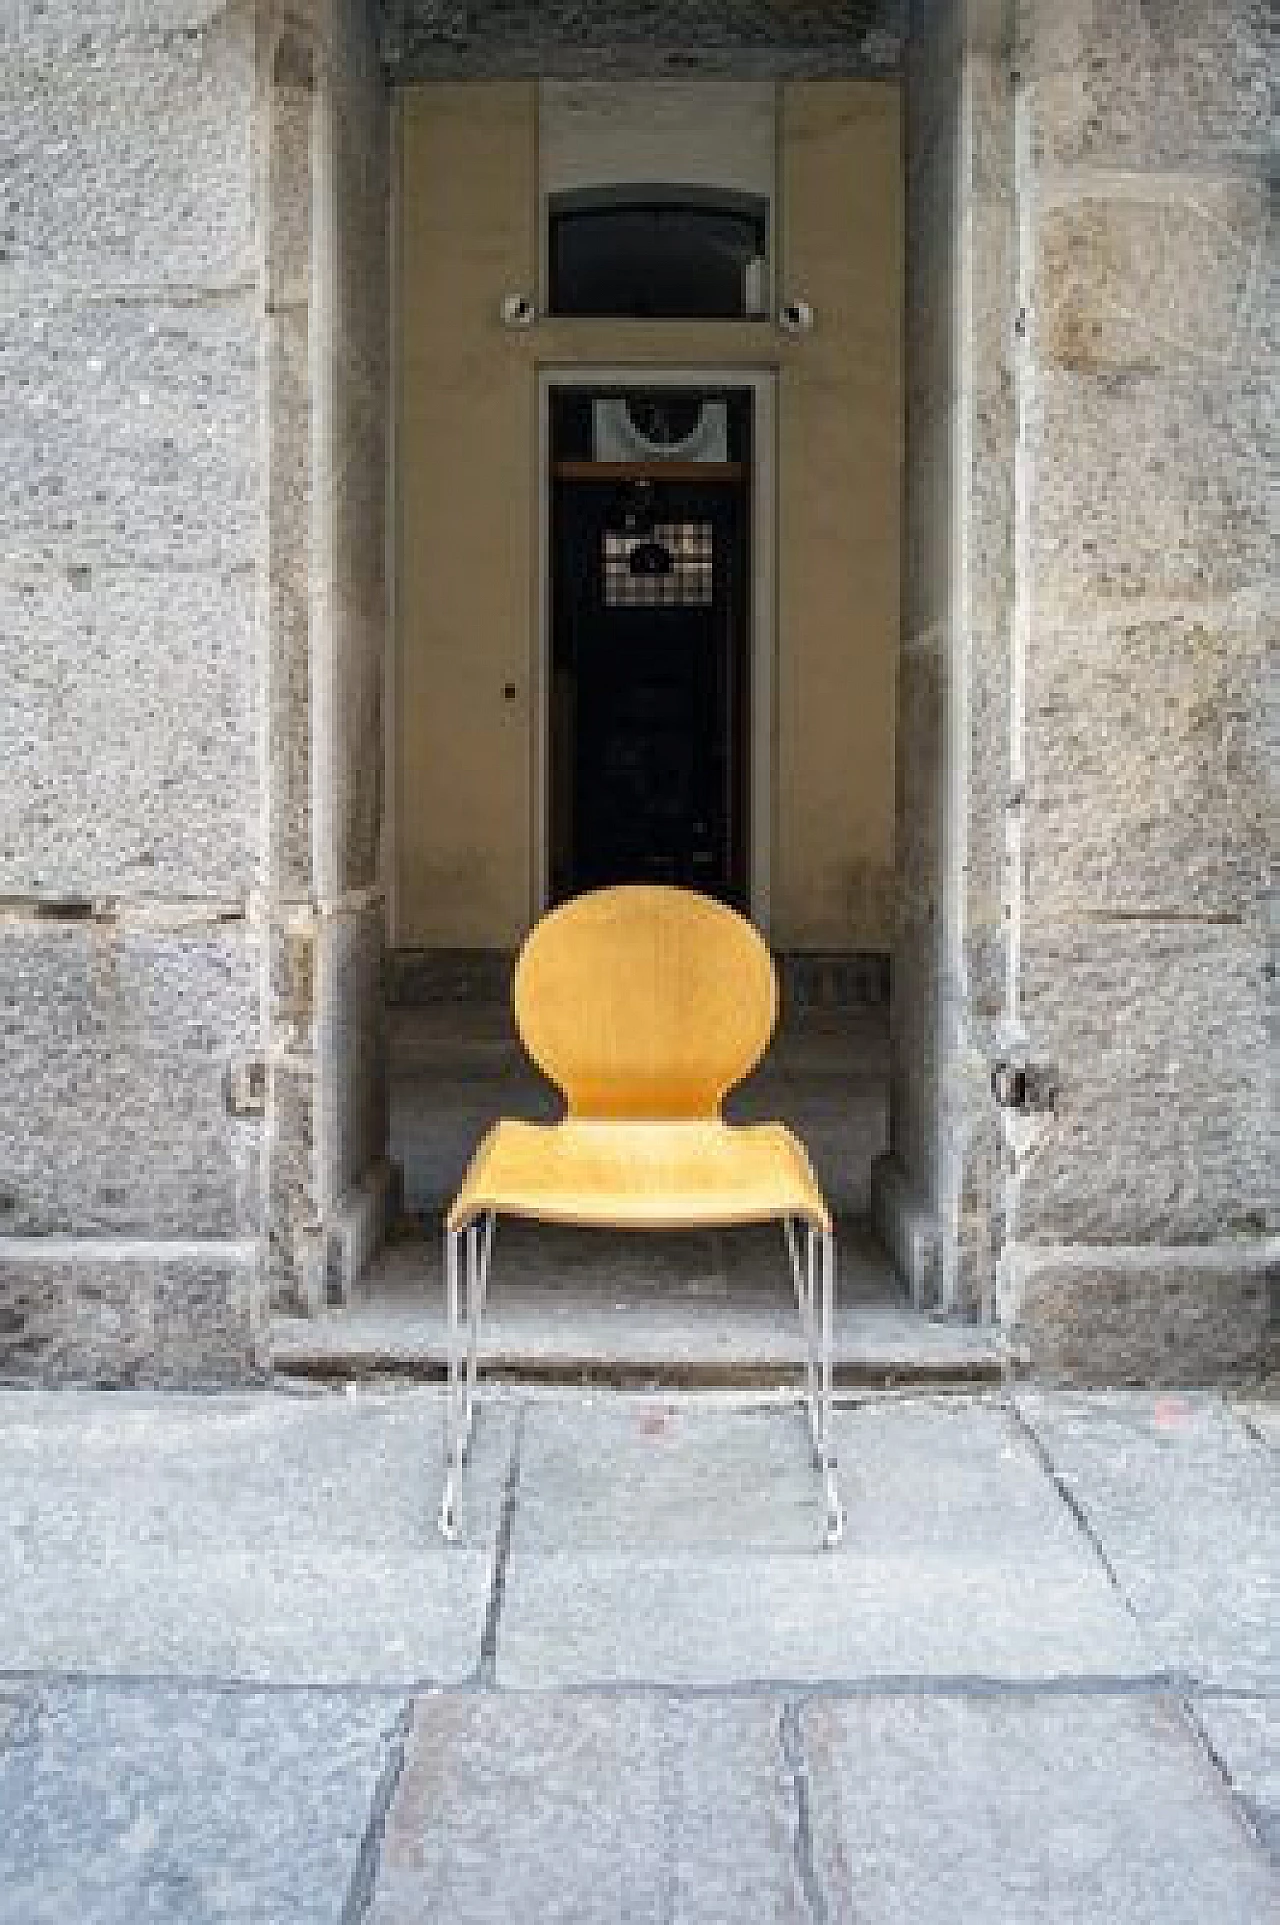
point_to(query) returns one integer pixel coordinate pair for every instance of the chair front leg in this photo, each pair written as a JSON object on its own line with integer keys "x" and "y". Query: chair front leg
{"x": 479, "y": 1254}
{"x": 460, "y": 1405}
{"x": 802, "y": 1277}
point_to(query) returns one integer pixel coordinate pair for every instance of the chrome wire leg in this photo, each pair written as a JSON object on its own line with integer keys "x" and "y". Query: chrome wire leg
{"x": 453, "y": 1404}
{"x": 835, "y": 1506}
{"x": 813, "y": 1272}
{"x": 460, "y": 1406}
{"x": 802, "y": 1278}
{"x": 479, "y": 1251}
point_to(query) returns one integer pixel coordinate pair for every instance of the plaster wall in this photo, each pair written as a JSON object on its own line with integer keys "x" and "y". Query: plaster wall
{"x": 468, "y": 478}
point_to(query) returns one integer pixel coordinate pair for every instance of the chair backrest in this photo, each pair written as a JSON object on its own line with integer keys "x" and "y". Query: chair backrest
{"x": 645, "y": 1002}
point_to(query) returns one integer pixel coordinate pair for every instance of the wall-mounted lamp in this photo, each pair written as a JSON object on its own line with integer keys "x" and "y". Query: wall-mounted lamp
{"x": 796, "y": 317}
{"x": 518, "y": 311}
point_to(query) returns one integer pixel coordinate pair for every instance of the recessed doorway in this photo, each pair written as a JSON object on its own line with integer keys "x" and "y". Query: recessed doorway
{"x": 650, "y": 708}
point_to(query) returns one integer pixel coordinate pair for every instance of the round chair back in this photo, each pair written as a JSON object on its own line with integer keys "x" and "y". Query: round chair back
{"x": 643, "y": 1002}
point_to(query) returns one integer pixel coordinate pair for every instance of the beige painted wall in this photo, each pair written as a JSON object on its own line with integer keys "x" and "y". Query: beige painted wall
{"x": 467, "y": 508}
{"x": 839, "y": 502}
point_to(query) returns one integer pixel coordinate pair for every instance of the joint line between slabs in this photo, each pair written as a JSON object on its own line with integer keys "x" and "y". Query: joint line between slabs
{"x": 1246, "y": 1816}
{"x": 364, "y": 1875}
{"x": 486, "y": 1670}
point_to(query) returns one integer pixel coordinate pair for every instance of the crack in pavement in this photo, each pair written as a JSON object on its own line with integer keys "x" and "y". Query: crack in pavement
{"x": 1084, "y": 1523}
{"x": 791, "y": 1740}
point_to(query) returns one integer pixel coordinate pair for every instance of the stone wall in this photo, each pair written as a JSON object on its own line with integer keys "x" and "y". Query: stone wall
{"x": 1083, "y": 790}
{"x": 157, "y": 831}
{"x": 1139, "y": 1206}
{"x": 737, "y": 39}
{"x": 130, "y": 735}
{"x": 938, "y": 1195}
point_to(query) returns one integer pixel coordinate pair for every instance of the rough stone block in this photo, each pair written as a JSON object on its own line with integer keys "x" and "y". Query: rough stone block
{"x": 1128, "y": 82}
{"x": 350, "y": 1051}
{"x": 129, "y": 154}
{"x": 354, "y": 765}
{"x": 283, "y": 1539}
{"x": 1116, "y": 1314}
{"x": 128, "y": 735}
{"x": 290, "y": 396}
{"x": 595, "y": 1810}
{"x": 169, "y": 1802}
{"x": 1149, "y": 485}
{"x": 296, "y": 1256}
{"x": 290, "y": 639}
{"x": 1182, "y": 1497}
{"x": 51, "y": 23}
{"x": 1161, "y": 1131}
{"x": 108, "y": 1311}
{"x": 961, "y": 1560}
{"x": 119, "y": 1046}
{"x": 293, "y": 127}
{"x": 922, "y": 722}
{"x": 1147, "y": 766}
{"x": 1044, "y": 1812}
{"x": 132, "y": 433}
{"x": 1163, "y": 275}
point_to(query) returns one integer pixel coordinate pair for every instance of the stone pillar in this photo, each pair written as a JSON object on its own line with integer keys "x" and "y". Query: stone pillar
{"x": 937, "y": 1196}
{"x": 323, "y": 123}
{"x": 1140, "y": 1198}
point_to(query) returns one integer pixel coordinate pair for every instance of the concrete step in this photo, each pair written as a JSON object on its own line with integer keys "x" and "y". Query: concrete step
{"x": 692, "y": 1309}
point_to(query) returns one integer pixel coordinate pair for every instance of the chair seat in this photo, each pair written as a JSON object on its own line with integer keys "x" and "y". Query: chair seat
{"x": 641, "y": 1175}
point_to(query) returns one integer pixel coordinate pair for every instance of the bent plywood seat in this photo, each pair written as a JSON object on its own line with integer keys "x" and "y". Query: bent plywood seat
{"x": 644, "y": 1006}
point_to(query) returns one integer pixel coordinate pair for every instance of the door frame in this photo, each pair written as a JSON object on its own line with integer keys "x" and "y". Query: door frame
{"x": 761, "y": 384}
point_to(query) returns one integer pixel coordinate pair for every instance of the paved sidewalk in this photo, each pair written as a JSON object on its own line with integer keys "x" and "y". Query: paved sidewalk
{"x": 242, "y": 1679}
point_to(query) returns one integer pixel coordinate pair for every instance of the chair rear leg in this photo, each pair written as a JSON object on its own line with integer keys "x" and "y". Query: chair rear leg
{"x": 454, "y": 1420}
{"x": 835, "y": 1506}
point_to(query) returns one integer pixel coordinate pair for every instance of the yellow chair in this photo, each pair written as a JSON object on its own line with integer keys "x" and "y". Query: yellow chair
{"x": 644, "y": 1006}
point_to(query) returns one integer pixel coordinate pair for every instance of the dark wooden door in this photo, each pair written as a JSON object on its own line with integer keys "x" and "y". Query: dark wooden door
{"x": 649, "y": 672}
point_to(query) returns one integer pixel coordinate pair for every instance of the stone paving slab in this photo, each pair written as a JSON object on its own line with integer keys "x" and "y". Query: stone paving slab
{"x": 1244, "y": 1734}
{"x": 591, "y": 1811}
{"x": 686, "y": 1550}
{"x": 280, "y": 1539}
{"x": 170, "y": 1805}
{"x": 1185, "y": 1502}
{"x": 1070, "y": 1811}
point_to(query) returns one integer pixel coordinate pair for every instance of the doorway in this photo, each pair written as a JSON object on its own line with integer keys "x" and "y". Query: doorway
{"x": 650, "y": 600}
